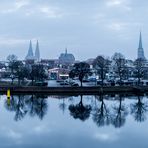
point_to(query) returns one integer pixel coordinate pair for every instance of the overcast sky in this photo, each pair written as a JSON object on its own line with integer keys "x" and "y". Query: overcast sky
{"x": 87, "y": 28}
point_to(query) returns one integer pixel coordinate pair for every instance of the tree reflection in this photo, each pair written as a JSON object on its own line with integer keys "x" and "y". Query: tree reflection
{"x": 20, "y": 110}
{"x": 37, "y": 105}
{"x": 119, "y": 114}
{"x": 101, "y": 114}
{"x": 139, "y": 109}
{"x": 41, "y": 110}
{"x": 17, "y": 105}
{"x": 80, "y": 111}
{"x": 62, "y": 106}
{"x": 31, "y": 103}
{"x": 21, "y": 105}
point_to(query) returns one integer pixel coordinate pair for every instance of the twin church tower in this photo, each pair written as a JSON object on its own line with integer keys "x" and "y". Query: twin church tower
{"x": 36, "y": 55}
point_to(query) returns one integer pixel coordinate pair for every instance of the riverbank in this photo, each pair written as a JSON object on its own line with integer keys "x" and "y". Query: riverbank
{"x": 96, "y": 90}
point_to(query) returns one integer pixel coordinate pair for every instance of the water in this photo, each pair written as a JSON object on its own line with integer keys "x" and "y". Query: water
{"x": 70, "y": 122}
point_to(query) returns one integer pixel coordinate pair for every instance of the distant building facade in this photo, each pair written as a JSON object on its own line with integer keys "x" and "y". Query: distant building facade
{"x": 33, "y": 57}
{"x": 58, "y": 73}
{"x": 66, "y": 58}
{"x": 50, "y": 63}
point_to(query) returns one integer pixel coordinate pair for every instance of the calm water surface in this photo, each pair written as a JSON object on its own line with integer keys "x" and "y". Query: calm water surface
{"x": 72, "y": 122}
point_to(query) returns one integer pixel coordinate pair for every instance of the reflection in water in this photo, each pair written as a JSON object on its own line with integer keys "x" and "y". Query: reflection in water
{"x": 21, "y": 105}
{"x": 8, "y": 101}
{"x": 17, "y": 105}
{"x": 37, "y": 105}
{"x": 120, "y": 113}
{"x": 139, "y": 109}
{"x": 80, "y": 111}
{"x": 103, "y": 110}
{"x": 101, "y": 114}
{"x": 62, "y": 106}
{"x": 114, "y": 114}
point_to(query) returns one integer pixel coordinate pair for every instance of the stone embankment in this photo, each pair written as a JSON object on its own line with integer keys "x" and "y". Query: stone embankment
{"x": 73, "y": 90}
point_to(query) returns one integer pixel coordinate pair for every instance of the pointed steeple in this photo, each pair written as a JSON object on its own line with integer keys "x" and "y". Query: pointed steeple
{"x": 66, "y": 51}
{"x": 30, "y": 52}
{"x": 140, "y": 48}
{"x": 140, "y": 41}
{"x": 37, "y": 52}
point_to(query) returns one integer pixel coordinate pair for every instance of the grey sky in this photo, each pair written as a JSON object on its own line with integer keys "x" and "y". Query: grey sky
{"x": 86, "y": 27}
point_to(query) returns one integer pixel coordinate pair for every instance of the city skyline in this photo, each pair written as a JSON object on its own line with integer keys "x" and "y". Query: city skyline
{"x": 35, "y": 54}
{"x": 109, "y": 26}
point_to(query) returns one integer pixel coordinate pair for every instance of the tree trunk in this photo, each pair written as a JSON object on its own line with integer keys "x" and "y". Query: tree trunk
{"x": 102, "y": 78}
{"x": 138, "y": 77}
{"x": 12, "y": 81}
{"x": 19, "y": 82}
{"x": 32, "y": 82}
{"x": 81, "y": 83}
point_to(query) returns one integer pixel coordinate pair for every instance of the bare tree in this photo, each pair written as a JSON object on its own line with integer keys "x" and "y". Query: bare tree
{"x": 12, "y": 58}
{"x": 12, "y": 64}
{"x": 119, "y": 66}
{"x": 101, "y": 64}
{"x": 139, "y": 69}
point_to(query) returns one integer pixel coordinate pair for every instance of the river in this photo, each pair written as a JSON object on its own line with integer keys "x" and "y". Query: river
{"x": 116, "y": 121}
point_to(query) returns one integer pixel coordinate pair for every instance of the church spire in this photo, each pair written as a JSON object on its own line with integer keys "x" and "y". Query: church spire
{"x": 140, "y": 41}
{"x": 66, "y": 51}
{"x": 140, "y": 48}
{"x": 30, "y": 52}
{"x": 37, "y": 52}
